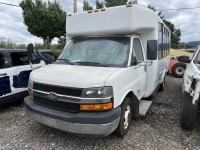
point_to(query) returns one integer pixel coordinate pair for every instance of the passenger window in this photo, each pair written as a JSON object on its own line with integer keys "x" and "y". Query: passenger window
{"x": 1, "y": 61}
{"x": 19, "y": 58}
{"x": 137, "y": 50}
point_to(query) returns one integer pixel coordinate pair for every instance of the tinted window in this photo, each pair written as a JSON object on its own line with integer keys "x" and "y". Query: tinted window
{"x": 19, "y": 58}
{"x": 137, "y": 50}
{"x": 1, "y": 61}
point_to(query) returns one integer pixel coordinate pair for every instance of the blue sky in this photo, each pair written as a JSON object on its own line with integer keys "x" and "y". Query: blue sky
{"x": 12, "y": 26}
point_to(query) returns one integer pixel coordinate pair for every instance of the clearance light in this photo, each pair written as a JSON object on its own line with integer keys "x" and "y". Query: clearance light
{"x": 129, "y": 5}
{"x": 94, "y": 107}
{"x": 90, "y": 11}
{"x": 30, "y": 95}
{"x": 103, "y": 9}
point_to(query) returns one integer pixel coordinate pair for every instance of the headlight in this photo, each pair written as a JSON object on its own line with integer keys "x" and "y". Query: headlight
{"x": 30, "y": 84}
{"x": 102, "y": 92}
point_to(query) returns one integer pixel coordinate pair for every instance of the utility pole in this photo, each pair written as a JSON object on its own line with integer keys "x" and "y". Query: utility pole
{"x": 75, "y": 6}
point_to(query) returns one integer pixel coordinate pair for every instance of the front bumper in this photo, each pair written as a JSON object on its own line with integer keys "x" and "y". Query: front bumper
{"x": 90, "y": 124}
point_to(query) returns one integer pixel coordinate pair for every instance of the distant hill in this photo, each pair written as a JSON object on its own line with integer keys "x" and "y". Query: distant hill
{"x": 192, "y": 44}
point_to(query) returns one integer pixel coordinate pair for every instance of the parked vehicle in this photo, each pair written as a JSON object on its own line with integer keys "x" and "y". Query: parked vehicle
{"x": 176, "y": 68}
{"x": 98, "y": 82}
{"x": 191, "y": 90}
{"x": 14, "y": 74}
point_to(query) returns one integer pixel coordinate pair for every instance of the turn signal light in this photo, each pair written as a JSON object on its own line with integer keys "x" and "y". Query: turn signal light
{"x": 30, "y": 95}
{"x": 94, "y": 107}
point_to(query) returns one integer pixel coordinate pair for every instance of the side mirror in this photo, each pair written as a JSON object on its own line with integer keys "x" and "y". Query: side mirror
{"x": 152, "y": 46}
{"x": 184, "y": 59}
{"x": 30, "y": 52}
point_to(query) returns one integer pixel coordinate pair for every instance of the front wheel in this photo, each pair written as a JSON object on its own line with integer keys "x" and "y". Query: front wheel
{"x": 126, "y": 117}
{"x": 188, "y": 112}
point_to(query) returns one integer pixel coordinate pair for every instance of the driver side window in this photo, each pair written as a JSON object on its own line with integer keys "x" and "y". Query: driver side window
{"x": 137, "y": 51}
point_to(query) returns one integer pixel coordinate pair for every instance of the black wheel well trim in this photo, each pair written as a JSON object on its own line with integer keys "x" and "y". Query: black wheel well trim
{"x": 135, "y": 103}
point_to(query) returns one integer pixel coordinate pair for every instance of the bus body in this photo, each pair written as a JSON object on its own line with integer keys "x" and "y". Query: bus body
{"x": 105, "y": 70}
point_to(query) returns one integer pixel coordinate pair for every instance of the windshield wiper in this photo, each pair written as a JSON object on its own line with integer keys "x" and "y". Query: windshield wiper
{"x": 66, "y": 60}
{"x": 91, "y": 63}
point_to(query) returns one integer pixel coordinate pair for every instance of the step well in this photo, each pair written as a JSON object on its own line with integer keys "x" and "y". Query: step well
{"x": 144, "y": 107}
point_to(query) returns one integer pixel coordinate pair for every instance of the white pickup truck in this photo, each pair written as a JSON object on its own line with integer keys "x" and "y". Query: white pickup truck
{"x": 115, "y": 57}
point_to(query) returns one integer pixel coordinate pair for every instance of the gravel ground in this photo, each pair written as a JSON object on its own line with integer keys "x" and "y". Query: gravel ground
{"x": 159, "y": 129}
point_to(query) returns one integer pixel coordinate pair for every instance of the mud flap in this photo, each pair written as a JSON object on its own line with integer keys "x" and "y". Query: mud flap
{"x": 21, "y": 80}
{"x": 4, "y": 85}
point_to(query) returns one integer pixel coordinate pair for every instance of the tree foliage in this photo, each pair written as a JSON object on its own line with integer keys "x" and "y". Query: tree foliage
{"x": 175, "y": 33}
{"x": 99, "y": 4}
{"x": 44, "y": 19}
{"x": 86, "y": 6}
{"x": 112, "y": 3}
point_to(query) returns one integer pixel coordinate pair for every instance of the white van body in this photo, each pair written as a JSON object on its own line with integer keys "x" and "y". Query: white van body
{"x": 134, "y": 24}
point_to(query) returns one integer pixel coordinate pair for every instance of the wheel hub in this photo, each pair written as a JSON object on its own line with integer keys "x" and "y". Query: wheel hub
{"x": 127, "y": 117}
{"x": 180, "y": 70}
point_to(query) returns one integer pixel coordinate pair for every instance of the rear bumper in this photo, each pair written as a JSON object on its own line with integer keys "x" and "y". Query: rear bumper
{"x": 90, "y": 124}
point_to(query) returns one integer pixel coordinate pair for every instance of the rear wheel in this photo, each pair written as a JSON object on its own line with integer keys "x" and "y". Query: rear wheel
{"x": 188, "y": 112}
{"x": 162, "y": 86}
{"x": 126, "y": 117}
{"x": 178, "y": 70}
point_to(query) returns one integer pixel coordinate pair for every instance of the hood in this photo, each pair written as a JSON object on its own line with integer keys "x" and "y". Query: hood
{"x": 72, "y": 75}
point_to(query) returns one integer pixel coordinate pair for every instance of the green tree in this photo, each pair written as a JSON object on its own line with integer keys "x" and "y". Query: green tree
{"x": 44, "y": 19}
{"x": 175, "y": 33}
{"x": 86, "y": 6}
{"x": 99, "y": 4}
{"x": 112, "y": 3}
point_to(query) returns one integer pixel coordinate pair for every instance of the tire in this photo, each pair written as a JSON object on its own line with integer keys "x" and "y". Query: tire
{"x": 125, "y": 119}
{"x": 178, "y": 70}
{"x": 162, "y": 86}
{"x": 189, "y": 112}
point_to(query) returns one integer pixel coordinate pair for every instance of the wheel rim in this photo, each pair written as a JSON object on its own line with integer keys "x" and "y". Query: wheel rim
{"x": 127, "y": 117}
{"x": 180, "y": 70}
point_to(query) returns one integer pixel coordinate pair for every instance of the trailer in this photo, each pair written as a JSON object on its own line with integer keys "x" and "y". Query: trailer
{"x": 115, "y": 57}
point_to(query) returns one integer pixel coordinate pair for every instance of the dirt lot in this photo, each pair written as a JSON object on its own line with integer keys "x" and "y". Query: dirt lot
{"x": 160, "y": 129}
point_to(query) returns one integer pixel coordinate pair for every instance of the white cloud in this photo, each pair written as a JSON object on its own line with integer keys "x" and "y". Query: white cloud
{"x": 12, "y": 26}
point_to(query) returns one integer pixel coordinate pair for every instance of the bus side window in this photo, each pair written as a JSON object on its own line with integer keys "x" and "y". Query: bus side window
{"x": 1, "y": 61}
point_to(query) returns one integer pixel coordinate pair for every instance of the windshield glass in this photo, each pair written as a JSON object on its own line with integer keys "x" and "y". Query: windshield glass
{"x": 197, "y": 59}
{"x": 98, "y": 51}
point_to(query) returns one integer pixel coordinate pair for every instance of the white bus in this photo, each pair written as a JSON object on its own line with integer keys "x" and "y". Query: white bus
{"x": 115, "y": 57}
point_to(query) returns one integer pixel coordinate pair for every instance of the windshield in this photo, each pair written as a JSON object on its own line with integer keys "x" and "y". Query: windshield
{"x": 98, "y": 51}
{"x": 197, "y": 59}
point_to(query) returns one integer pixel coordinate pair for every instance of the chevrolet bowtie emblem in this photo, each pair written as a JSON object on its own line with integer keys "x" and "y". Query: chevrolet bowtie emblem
{"x": 52, "y": 96}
